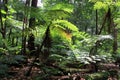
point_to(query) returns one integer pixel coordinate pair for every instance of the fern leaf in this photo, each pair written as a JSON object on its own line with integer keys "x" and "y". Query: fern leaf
{"x": 64, "y": 24}
{"x": 64, "y": 7}
{"x": 58, "y": 11}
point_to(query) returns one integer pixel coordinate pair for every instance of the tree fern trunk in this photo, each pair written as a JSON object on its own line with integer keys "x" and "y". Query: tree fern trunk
{"x": 47, "y": 45}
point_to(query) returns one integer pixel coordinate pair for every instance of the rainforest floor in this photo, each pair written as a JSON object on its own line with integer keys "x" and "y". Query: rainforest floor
{"x": 16, "y": 72}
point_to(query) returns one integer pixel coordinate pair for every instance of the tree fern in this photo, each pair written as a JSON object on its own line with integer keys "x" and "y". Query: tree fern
{"x": 57, "y": 15}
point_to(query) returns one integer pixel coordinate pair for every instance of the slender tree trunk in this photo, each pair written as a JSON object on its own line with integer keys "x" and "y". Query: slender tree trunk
{"x": 3, "y": 24}
{"x": 1, "y": 21}
{"x": 86, "y": 27}
{"x": 16, "y": 41}
{"x": 96, "y": 31}
{"x": 23, "y": 39}
{"x": 32, "y": 20}
{"x": 103, "y": 24}
{"x": 109, "y": 21}
{"x": 31, "y": 37}
{"x": 115, "y": 45}
{"x": 25, "y": 23}
{"x": 6, "y": 10}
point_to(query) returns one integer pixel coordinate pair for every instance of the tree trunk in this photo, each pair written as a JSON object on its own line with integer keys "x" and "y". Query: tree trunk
{"x": 1, "y": 21}
{"x": 3, "y": 25}
{"x": 96, "y": 31}
{"x": 23, "y": 51}
{"x": 109, "y": 21}
{"x": 31, "y": 37}
{"x": 103, "y": 24}
{"x": 25, "y": 22}
{"x": 115, "y": 45}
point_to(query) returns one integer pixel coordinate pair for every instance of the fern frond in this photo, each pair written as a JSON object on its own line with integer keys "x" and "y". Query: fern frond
{"x": 58, "y": 11}
{"x": 61, "y": 33}
{"x": 62, "y": 6}
{"x": 15, "y": 23}
{"x": 56, "y": 14}
{"x": 64, "y": 24}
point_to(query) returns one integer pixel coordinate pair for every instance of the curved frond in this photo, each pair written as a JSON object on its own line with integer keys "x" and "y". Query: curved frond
{"x": 64, "y": 24}
{"x": 64, "y": 7}
{"x": 58, "y": 11}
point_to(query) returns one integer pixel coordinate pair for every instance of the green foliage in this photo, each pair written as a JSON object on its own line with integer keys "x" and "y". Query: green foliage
{"x": 3, "y": 70}
{"x": 3, "y": 51}
{"x": 64, "y": 7}
{"x": 118, "y": 4}
{"x": 65, "y": 24}
{"x": 51, "y": 71}
{"x": 117, "y": 22}
{"x": 55, "y": 15}
{"x": 11, "y": 59}
{"x": 56, "y": 11}
{"x": 6, "y": 60}
{"x": 12, "y": 23}
{"x": 83, "y": 39}
{"x": 105, "y": 4}
{"x": 98, "y": 76}
{"x": 100, "y": 5}
{"x": 17, "y": 5}
{"x": 3, "y": 11}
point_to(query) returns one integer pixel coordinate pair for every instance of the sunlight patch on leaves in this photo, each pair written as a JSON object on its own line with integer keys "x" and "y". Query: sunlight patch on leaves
{"x": 15, "y": 23}
{"x": 100, "y": 5}
{"x": 118, "y": 4}
{"x": 66, "y": 24}
{"x": 3, "y": 11}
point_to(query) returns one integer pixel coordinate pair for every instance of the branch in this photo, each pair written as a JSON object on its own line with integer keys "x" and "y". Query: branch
{"x": 104, "y": 20}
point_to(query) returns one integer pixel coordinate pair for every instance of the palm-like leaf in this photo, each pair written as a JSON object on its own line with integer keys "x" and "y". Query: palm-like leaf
{"x": 64, "y": 24}
{"x": 58, "y": 11}
{"x": 62, "y": 28}
{"x": 62, "y": 6}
